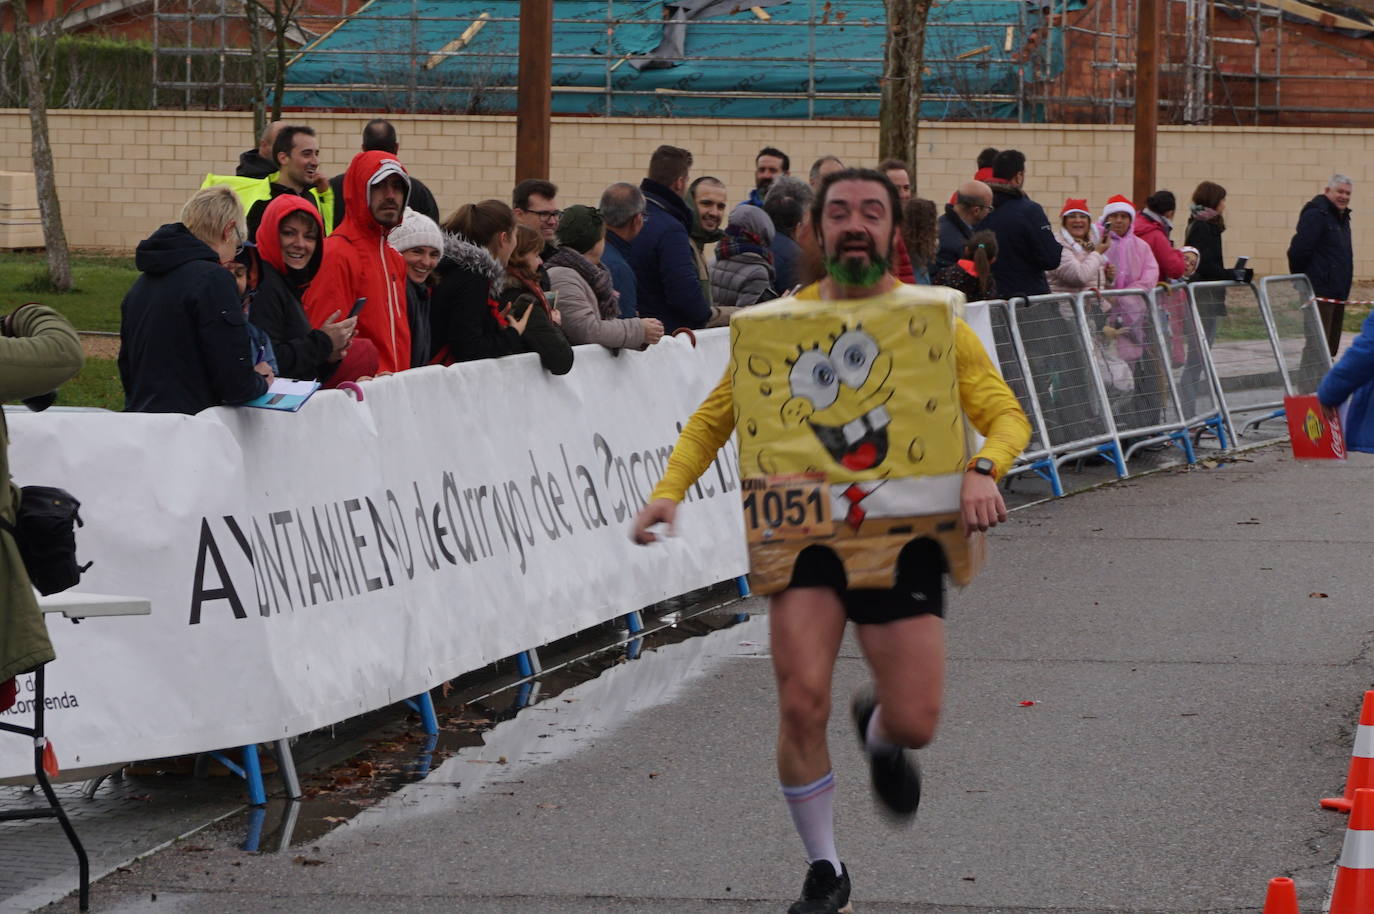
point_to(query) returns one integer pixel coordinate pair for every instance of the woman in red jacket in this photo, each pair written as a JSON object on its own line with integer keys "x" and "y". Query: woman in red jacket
{"x": 1153, "y": 225}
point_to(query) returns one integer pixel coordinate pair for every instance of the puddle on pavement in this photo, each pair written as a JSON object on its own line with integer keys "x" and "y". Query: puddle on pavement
{"x": 495, "y": 723}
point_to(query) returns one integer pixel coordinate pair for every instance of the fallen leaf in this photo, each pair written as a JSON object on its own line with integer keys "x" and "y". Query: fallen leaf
{"x": 1316, "y": 596}
{"x": 307, "y": 861}
{"x": 194, "y": 849}
{"x": 501, "y": 760}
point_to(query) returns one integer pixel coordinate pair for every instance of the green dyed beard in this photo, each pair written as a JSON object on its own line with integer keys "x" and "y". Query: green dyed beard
{"x": 855, "y": 277}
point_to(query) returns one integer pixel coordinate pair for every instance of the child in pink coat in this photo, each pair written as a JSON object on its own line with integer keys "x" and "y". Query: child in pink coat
{"x": 1136, "y": 268}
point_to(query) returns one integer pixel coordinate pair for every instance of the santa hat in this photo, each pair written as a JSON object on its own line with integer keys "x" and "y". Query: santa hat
{"x": 415, "y": 230}
{"x": 1118, "y": 204}
{"x": 1072, "y": 205}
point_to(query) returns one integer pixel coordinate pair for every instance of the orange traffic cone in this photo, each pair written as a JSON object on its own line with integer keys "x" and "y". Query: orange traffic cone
{"x": 1282, "y": 897}
{"x": 1354, "y": 893}
{"x": 1361, "y": 773}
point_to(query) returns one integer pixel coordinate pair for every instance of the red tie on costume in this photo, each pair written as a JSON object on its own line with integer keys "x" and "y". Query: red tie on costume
{"x": 855, "y": 516}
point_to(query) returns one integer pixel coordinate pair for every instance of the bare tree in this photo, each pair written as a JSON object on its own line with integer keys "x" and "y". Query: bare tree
{"x": 36, "y": 44}
{"x": 903, "y": 63}
{"x": 259, "y": 68}
{"x": 281, "y": 18}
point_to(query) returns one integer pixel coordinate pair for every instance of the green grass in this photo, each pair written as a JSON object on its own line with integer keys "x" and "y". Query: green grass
{"x": 1354, "y": 317}
{"x": 99, "y": 284}
{"x": 97, "y": 385}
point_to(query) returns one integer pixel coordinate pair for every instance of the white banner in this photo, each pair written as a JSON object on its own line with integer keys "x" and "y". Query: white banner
{"x": 307, "y": 567}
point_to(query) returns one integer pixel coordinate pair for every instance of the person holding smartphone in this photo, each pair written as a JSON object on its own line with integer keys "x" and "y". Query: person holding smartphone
{"x": 289, "y": 254}
{"x": 587, "y": 299}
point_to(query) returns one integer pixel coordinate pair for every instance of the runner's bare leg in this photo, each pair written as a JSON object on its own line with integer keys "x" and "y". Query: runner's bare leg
{"x": 806, "y": 626}
{"x": 907, "y": 658}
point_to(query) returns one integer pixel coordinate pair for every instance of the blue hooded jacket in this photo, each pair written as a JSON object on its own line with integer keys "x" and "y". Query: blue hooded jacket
{"x": 1352, "y": 378}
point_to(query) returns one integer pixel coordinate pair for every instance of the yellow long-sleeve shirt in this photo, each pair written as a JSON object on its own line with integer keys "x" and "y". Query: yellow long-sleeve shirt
{"x": 986, "y": 399}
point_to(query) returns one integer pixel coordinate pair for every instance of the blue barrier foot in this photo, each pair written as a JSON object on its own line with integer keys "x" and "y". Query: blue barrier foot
{"x": 1112, "y": 452}
{"x": 1220, "y": 429}
{"x": 423, "y": 704}
{"x": 1047, "y": 470}
{"x": 251, "y": 772}
{"x": 742, "y": 585}
{"x": 1185, "y": 441}
{"x": 527, "y": 662}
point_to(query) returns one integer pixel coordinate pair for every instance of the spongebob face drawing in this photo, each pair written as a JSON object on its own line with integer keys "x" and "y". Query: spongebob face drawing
{"x": 829, "y": 387}
{"x": 863, "y": 393}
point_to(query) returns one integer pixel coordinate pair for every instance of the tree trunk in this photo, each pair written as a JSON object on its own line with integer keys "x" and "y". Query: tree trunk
{"x": 904, "y": 61}
{"x": 254, "y": 16}
{"x": 49, "y": 209}
{"x": 281, "y": 20}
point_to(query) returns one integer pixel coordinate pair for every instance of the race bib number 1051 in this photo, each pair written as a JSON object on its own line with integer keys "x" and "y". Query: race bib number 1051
{"x": 792, "y": 506}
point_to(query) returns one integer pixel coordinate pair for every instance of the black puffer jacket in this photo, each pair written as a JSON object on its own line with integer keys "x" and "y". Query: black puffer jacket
{"x": 463, "y": 313}
{"x": 1321, "y": 248}
{"x": 184, "y": 343}
{"x": 302, "y": 351}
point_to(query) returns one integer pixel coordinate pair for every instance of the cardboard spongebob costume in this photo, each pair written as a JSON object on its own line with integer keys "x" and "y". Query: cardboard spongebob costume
{"x": 851, "y": 433}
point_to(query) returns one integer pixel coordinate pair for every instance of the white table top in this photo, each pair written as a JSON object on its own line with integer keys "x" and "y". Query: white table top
{"x": 75, "y": 605}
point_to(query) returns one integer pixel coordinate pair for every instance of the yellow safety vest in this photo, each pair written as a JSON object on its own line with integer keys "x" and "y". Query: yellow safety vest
{"x": 251, "y": 190}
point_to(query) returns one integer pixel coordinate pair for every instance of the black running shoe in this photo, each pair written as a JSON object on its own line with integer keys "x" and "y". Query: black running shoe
{"x": 895, "y": 774}
{"x": 823, "y": 892}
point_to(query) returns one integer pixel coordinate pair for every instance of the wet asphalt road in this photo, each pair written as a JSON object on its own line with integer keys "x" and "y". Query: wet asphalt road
{"x": 1193, "y": 698}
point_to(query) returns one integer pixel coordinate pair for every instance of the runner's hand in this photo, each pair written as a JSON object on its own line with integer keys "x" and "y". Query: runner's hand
{"x": 981, "y": 502}
{"x": 658, "y": 511}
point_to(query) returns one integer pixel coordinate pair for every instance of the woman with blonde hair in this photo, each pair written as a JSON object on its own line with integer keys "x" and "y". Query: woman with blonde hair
{"x": 184, "y": 342}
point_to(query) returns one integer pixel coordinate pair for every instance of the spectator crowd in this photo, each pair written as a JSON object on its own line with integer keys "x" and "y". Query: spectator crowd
{"x": 278, "y": 270}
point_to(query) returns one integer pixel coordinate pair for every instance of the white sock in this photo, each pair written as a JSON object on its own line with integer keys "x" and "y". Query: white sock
{"x": 813, "y": 814}
{"x": 873, "y": 735}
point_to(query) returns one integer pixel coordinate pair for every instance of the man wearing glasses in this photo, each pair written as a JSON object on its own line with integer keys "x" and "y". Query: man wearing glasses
{"x": 536, "y": 205}
{"x": 972, "y": 202}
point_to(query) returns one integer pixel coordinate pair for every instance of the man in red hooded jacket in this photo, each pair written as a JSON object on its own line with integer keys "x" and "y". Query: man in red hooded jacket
{"x": 358, "y": 263}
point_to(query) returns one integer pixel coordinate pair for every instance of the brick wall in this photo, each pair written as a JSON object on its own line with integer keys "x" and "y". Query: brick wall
{"x": 122, "y": 174}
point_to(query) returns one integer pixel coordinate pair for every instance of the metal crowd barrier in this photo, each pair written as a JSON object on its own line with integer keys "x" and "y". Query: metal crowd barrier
{"x": 1108, "y": 373}
{"x": 1131, "y": 350}
{"x": 1292, "y": 309}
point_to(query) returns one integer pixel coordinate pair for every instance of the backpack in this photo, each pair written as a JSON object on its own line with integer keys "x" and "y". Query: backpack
{"x": 45, "y": 532}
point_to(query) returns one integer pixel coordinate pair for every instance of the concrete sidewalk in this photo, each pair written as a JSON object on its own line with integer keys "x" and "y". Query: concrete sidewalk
{"x": 1194, "y": 642}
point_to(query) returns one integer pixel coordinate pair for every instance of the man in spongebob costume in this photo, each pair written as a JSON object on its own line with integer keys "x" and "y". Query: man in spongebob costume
{"x": 852, "y": 402}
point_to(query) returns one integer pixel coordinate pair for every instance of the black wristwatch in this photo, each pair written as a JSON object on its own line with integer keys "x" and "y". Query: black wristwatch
{"x": 983, "y": 465}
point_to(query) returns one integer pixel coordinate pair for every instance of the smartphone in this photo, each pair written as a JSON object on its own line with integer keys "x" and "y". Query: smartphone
{"x": 1240, "y": 263}
{"x": 552, "y": 298}
{"x": 357, "y": 306}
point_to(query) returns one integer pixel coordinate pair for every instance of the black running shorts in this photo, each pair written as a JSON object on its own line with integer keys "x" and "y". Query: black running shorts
{"x": 919, "y": 591}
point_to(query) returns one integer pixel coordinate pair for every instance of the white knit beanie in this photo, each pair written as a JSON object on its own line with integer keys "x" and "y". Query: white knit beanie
{"x": 416, "y": 230}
